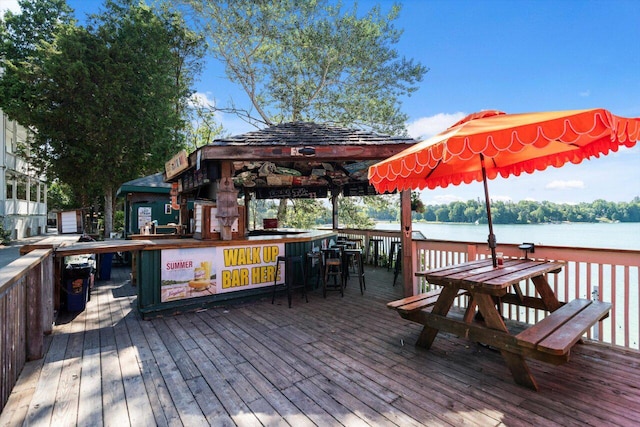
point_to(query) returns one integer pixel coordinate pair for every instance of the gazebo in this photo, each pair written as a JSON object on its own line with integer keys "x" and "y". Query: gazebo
{"x": 288, "y": 160}
{"x": 292, "y": 160}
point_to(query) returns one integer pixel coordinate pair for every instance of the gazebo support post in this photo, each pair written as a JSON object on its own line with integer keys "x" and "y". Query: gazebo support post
{"x": 247, "y": 207}
{"x": 226, "y": 201}
{"x": 406, "y": 240}
{"x": 334, "y": 208}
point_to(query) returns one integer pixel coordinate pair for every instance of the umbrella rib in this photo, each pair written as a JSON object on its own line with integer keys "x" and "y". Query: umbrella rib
{"x": 433, "y": 169}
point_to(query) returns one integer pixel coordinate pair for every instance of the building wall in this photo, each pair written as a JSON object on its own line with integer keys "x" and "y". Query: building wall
{"x": 23, "y": 194}
{"x": 158, "y": 206}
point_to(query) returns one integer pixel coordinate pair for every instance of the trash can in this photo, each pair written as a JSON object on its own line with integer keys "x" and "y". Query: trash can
{"x": 105, "y": 266}
{"x": 77, "y": 281}
{"x": 269, "y": 223}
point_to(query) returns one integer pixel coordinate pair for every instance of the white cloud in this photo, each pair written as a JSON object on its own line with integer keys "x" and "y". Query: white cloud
{"x": 426, "y": 127}
{"x": 444, "y": 199}
{"x": 564, "y": 185}
{"x": 11, "y": 5}
{"x": 585, "y": 94}
{"x": 499, "y": 198}
{"x": 201, "y": 99}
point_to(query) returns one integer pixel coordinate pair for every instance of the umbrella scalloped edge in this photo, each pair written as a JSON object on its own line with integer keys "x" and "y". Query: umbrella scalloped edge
{"x": 511, "y": 145}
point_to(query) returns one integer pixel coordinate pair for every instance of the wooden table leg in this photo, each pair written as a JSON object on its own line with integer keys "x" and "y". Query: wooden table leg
{"x": 470, "y": 312}
{"x": 516, "y": 363}
{"x": 546, "y": 293}
{"x": 441, "y": 307}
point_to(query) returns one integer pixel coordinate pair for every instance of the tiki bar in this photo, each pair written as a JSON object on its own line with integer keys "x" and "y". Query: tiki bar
{"x": 214, "y": 253}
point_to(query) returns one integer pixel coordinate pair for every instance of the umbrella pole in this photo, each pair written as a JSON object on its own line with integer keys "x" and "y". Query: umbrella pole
{"x": 492, "y": 237}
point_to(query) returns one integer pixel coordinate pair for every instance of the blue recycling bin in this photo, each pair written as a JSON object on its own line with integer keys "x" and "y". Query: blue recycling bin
{"x": 77, "y": 279}
{"x": 105, "y": 266}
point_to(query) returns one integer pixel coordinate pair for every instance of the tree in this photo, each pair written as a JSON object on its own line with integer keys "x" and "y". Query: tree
{"x": 311, "y": 61}
{"x": 202, "y": 128}
{"x": 351, "y": 214}
{"x": 23, "y": 38}
{"x": 299, "y": 60}
{"x": 59, "y": 196}
{"x": 306, "y": 213}
{"x": 107, "y": 100}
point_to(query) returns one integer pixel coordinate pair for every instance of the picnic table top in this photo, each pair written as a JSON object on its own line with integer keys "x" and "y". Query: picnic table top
{"x": 481, "y": 276}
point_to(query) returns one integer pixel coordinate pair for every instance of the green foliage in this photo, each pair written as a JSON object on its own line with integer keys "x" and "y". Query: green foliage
{"x": 312, "y": 61}
{"x": 528, "y": 212}
{"x": 306, "y": 214}
{"x": 384, "y": 207}
{"x": 203, "y": 126}
{"x": 108, "y": 100}
{"x": 25, "y": 39}
{"x": 5, "y": 235}
{"x": 60, "y": 196}
{"x": 261, "y": 209}
{"x": 352, "y": 213}
{"x": 118, "y": 221}
{"x": 416, "y": 204}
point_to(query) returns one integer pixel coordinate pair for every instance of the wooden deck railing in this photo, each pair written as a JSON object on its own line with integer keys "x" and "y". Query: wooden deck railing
{"x": 26, "y": 314}
{"x": 605, "y": 274}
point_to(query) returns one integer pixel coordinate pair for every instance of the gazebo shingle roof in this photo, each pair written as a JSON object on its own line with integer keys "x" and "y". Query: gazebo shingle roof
{"x": 313, "y": 134}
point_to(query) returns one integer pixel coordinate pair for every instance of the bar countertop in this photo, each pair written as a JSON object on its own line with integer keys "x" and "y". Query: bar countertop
{"x": 280, "y": 236}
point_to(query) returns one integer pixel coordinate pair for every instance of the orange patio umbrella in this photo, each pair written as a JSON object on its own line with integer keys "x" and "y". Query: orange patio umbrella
{"x": 490, "y": 143}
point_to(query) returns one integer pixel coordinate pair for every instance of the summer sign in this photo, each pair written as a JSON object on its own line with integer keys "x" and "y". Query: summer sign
{"x": 194, "y": 272}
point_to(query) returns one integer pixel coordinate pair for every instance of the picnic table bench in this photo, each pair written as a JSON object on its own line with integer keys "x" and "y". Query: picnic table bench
{"x": 549, "y": 340}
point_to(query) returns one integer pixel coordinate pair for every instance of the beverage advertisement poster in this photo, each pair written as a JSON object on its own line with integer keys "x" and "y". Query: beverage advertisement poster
{"x": 188, "y": 273}
{"x": 195, "y": 272}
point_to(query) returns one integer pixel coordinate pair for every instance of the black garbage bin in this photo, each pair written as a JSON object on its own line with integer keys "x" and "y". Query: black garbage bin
{"x": 105, "y": 266}
{"x": 77, "y": 278}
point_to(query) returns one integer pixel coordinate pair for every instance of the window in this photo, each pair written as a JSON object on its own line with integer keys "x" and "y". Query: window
{"x": 9, "y": 188}
{"x": 9, "y": 135}
{"x": 21, "y": 188}
{"x": 33, "y": 191}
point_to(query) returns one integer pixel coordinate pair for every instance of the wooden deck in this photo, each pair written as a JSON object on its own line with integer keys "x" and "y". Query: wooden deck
{"x": 335, "y": 361}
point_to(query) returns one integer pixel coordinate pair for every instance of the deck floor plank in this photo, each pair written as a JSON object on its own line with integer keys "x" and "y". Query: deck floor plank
{"x": 335, "y": 361}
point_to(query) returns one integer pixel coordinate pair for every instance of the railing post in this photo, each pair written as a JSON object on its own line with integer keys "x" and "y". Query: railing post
{"x": 46, "y": 277}
{"x": 595, "y": 330}
{"x": 471, "y": 252}
{"x": 35, "y": 338}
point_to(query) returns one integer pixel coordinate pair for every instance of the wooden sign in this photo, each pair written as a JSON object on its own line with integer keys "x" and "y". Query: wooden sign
{"x": 291, "y": 193}
{"x": 177, "y": 164}
{"x": 360, "y": 189}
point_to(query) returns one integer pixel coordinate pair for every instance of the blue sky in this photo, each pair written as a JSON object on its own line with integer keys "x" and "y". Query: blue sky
{"x": 510, "y": 55}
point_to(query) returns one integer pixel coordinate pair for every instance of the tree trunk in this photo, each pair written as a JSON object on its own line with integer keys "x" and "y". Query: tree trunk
{"x": 108, "y": 212}
{"x": 282, "y": 211}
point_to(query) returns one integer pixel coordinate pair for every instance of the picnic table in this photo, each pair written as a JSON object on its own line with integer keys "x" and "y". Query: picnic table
{"x": 487, "y": 289}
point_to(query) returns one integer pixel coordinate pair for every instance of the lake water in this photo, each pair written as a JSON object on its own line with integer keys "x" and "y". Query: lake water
{"x": 598, "y": 235}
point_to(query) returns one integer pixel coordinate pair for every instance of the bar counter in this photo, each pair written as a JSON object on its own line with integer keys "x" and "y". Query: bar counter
{"x": 178, "y": 274}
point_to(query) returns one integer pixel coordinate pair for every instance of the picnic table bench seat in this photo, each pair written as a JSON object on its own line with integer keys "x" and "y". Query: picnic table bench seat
{"x": 560, "y": 330}
{"x": 418, "y": 302}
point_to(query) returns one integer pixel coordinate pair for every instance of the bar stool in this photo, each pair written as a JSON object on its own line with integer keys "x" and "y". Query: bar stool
{"x": 375, "y": 243}
{"x": 357, "y": 242}
{"x": 315, "y": 258}
{"x": 355, "y": 255}
{"x": 392, "y": 252}
{"x": 333, "y": 269}
{"x": 290, "y": 262}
